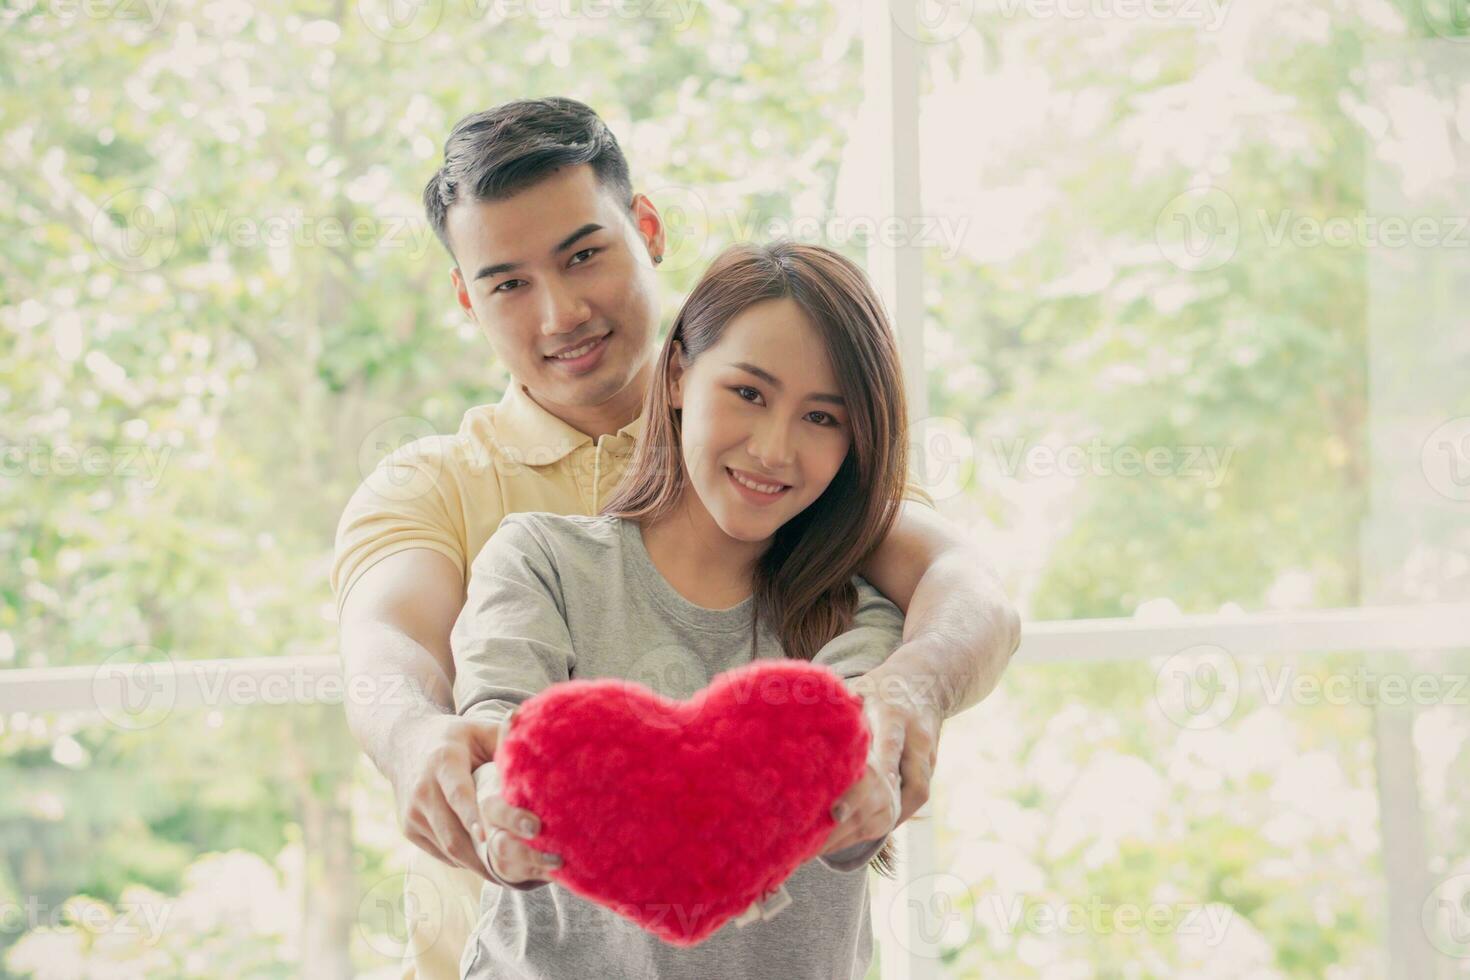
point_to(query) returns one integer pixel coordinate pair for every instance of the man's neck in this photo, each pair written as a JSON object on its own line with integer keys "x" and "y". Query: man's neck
{"x": 596, "y": 421}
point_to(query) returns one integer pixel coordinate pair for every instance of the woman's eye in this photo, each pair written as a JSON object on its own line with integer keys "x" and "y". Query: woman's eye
{"x": 740, "y": 390}
{"x": 830, "y": 419}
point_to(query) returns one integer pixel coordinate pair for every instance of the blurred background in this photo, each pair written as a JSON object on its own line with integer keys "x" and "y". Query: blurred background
{"x": 1183, "y": 289}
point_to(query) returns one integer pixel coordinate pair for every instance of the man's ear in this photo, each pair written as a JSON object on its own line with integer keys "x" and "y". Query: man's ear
{"x": 650, "y": 225}
{"x": 461, "y": 291}
{"x": 676, "y": 375}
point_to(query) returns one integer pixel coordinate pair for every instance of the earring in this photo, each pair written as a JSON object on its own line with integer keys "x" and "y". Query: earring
{"x": 657, "y": 259}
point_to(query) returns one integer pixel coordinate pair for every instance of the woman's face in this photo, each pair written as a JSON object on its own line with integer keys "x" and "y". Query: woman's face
{"x": 762, "y": 403}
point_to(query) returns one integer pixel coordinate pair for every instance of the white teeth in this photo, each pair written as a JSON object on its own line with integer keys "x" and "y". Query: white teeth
{"x": 763, "y": 488}
{"x": 578, "y": 352}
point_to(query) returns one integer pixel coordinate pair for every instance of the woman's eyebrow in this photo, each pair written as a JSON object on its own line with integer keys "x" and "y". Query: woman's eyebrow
{"x": 775, "y": 382}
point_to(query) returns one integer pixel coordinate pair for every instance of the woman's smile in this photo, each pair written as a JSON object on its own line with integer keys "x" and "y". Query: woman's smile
{"x": 753, "y": 490}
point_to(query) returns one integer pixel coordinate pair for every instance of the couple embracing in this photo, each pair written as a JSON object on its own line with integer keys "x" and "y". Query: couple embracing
{"x": 657, "y": 512}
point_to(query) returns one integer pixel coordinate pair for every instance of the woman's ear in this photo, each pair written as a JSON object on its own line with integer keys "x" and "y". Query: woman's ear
{"x": 676, "y": 375}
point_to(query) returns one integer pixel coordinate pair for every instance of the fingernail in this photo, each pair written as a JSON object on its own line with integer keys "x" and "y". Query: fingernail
{"x": 553, "y": 860}
{"x": 528, "y": 827}
{"x": 479, "y": 832}
{"x": 839, "y": 812}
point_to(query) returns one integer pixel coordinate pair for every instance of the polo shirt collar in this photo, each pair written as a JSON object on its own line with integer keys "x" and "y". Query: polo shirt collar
{"x": 538, "y": 438}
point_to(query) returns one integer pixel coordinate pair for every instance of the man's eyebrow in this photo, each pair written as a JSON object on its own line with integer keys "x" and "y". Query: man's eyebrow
{"x": 775, "y": 382}
{"x": 562, "y": 246}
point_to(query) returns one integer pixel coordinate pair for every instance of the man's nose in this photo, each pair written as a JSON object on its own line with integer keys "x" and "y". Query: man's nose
{"x": 565, "y": 310}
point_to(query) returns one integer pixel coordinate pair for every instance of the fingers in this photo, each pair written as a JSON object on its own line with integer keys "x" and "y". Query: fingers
{"x": 516, "y": 862}
{"x": 515, "y": 859}
{"x": 886, "y": 746}
{"x": 450, "y": 835}
{"x": 875, "y": 806}
{"x": 457, "y": 786}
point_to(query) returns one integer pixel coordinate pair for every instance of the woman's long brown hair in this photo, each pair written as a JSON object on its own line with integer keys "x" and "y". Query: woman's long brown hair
{"x": 803, "y": 583}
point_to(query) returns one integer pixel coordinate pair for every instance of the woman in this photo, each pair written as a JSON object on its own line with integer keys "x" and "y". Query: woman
{"x": 771, "y": 466}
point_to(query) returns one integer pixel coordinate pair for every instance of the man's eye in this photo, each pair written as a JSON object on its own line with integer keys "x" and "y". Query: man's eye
{"x": 589, "y": 252}
{"x": 509, "y": 282}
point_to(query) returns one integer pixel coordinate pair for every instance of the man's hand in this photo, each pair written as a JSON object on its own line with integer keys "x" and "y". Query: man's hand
{"x": 435, "y": 787}
{"x": 901, "y": 755}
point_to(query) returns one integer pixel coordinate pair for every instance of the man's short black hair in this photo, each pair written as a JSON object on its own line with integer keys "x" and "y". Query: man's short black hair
{"x": 497, "y": 152}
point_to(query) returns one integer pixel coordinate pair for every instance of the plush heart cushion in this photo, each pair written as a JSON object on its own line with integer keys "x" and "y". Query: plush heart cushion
{"x": 678, "y": 814}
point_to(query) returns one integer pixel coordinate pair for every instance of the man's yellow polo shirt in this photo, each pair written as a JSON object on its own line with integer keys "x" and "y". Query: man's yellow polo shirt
{"x": 449, "y": 493}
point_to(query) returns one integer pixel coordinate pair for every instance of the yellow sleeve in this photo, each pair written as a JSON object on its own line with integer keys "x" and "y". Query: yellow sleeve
{"x": 410, "y": 500}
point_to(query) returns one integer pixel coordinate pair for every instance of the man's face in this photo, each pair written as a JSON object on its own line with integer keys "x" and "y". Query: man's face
{"x": 552, "y": 268}
{"x": 762, "y": 405}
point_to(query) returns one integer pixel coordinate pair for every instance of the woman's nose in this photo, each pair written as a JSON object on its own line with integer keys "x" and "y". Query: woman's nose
{"x": 771, "y": 446}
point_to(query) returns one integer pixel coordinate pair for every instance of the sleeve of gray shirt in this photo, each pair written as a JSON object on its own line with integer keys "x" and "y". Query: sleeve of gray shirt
{"x": 877, "y": 630}
{"x": 511, "y": 639}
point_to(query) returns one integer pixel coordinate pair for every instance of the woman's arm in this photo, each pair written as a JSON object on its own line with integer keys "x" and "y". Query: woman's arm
{"x": 510, "y": 641}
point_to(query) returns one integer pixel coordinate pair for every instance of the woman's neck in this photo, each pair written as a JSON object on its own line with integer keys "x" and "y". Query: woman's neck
{"x": 703, "y": 563}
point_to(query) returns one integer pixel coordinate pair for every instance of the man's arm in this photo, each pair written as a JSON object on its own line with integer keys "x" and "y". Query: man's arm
{"x": 394, "y": 632}
{"x": 959, "y": 633}
{"x": 959, "y": 628}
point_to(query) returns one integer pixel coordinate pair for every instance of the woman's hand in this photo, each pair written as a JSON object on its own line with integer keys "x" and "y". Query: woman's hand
{"x": 506, "y": 830}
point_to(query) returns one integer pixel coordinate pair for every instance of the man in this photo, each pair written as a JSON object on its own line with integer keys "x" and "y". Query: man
{"x": 555, "y": 260}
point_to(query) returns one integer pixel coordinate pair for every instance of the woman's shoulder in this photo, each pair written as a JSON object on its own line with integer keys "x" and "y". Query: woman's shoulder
{"x": 564, "y": 534}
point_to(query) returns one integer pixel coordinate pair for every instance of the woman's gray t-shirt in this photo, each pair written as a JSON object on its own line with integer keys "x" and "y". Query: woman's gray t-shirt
{"x": 554, "y": 597}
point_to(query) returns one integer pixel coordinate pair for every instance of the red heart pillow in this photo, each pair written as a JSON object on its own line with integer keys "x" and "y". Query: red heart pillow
{"x": 678, "y": 815}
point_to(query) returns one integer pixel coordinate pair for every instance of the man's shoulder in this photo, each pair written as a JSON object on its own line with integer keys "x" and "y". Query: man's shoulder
{"x": 472, "y": 448}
